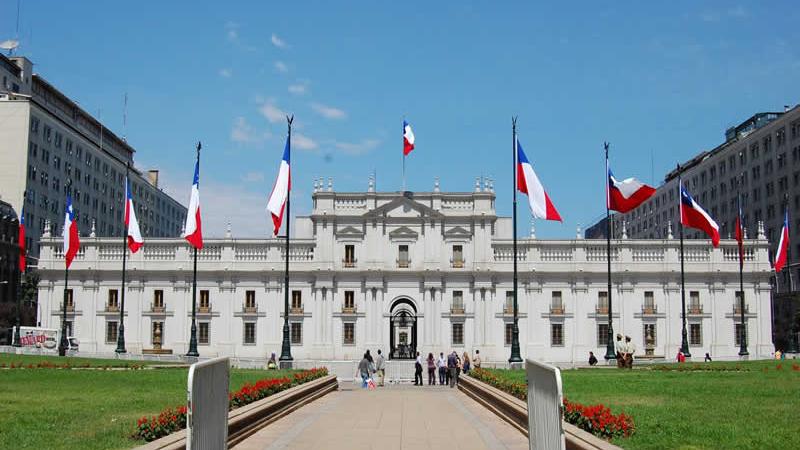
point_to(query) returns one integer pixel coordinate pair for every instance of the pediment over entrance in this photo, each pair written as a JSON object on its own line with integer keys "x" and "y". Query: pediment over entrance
{"x": 350, "y": 232}
{"x": 403, "y": 233}
{"x": 457, "y": 233}
{"x": 403, "y": 207}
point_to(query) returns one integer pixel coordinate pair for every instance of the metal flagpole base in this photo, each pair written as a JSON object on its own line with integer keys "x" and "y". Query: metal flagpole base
{"x": 685, "y": 346}
{"x": 17, "y": 340}
{"x": 193, "y": 342}
{"x": 285, "y": 360}
{"x": 121, "y": 340}
{"x": 516, "y": 359}
{"x": 611, "y": 352}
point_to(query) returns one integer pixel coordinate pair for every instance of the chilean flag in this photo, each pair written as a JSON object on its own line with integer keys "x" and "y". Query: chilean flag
{"x": 280, "y": 192}
{"x": 135, "y": 240}
{"x": 528, "y": 183}
{"x": 693, "y": 216}
{"x": 783, "y": 245}
{"x": 626, "y": 195}
{"x": 740, "y": 232}
{"x": 72, "y": 241}
{"x": 194, "y": 229}
{"x": 408, "y": 139}
{"x": 21, "y": 240}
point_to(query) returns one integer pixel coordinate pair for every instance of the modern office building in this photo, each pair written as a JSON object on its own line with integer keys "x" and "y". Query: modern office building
{"x": 761, "y": 159}
{"x": 51, "y": 146}
{"x": 406, "y": 272}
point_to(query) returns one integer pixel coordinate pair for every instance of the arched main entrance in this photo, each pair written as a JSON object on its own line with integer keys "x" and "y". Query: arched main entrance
{"x": 403, "y": 330}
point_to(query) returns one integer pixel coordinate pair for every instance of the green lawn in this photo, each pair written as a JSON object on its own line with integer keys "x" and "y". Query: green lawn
{"x": 9, "y": 358}
{"x": 89, "y": 409}
{"x": 753, "y": 408}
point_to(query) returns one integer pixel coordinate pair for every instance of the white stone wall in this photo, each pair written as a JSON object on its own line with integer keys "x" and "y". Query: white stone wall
{"x": 430, "y": 224}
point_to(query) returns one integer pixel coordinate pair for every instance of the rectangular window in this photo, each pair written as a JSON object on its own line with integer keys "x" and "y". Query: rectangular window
{"x": 508, "y": 308}
{"x": 458, "y": 256}
{"x": 297, "y": 300}
{"x": 738, "y": 331}
{"x": 649, "y": 336}
{"x": 509, "y": 333}
{"x": 70, "y": 300}
{"x": 111, "y": 332}
{"x": 205, "y": 301}
{"x": 556, "y": 303}
{"x": 69, "y": 328}
{"x": 602, "y": 302}
{"x": 349, "y": 300}
{"x": 602, "y": 334}
{"x": 250, "y": 333}
{"x": 402, "y": 256}
{"x": 349, "y": 333}
{"x": 349, "y": 255}
{"x": 113, "y": 300}
{"x": 556, "y": 334}
{"x": 296, "y": 332}
{"x": 250, "y": 299}
{"x": 695, "y": 334}
{"x": 458, "y": 334}
{"x": 694, "y": 303}
{"x": 458, "y": 301}
{"x": 737, "y": 305}
{"x": 158, "y": 300}
{"x": 649, "y": 303}
{"x": 203, "y": 333}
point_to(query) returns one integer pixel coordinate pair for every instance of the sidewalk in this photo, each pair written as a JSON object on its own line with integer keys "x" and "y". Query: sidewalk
{"x": 395, "y": 417}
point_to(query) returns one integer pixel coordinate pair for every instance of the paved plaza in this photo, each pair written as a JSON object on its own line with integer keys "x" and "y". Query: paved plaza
{"x": 394, "y": 417}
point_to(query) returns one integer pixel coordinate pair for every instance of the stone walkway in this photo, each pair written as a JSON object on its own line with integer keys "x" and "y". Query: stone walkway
{"x": 395, "y": 417}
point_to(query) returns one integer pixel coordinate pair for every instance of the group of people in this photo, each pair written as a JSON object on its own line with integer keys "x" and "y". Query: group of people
{"x": 447, "y": 368}
{"x": 625, "y": 351}
{"x": 369, "y": 366}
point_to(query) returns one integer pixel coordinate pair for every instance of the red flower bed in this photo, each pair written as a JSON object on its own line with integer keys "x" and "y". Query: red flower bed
{"x": 171, "y": 420}
{"x": 596, "y": 419}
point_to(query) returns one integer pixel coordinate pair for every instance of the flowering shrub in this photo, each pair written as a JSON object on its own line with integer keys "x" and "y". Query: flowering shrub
{"x": 67, "y": 365}
{"x": 596, "y": 419}
{"x": 171, "y": 420}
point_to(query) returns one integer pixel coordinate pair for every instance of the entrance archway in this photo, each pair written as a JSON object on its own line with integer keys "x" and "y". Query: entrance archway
{"x": 403, "y": 330}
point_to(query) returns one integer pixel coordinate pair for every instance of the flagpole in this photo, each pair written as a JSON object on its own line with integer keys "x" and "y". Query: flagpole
{"x": 684, "y": 341}
{"x": 743, "y": 339}
{"x": 15, "y": 341}
{"x": 404, "y": 172}
{"x": 610, "y": 351}
{"x": 121, "y": 330}
{"x": 62, "y": 344}
{"x": 286, "y": 347}
{"x": 515, "y": 358}
{"x": 193, "y": 332}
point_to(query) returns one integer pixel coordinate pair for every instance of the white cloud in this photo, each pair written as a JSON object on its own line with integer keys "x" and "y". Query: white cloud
{"x": 272, "y": 113}
{"x": 298, "y": 89}
{"x": 303, "y": 142}
{"x": 281, "y": 67}
{"x": 226, "y": 72}
{"x": 244, "y": 133}
{"x": 328, "y": 112}
{"x": 253, "y": 177}
{"x": 232, "y": 31}
{"x": 278, "y": 42}
{"x": 357, "y": 148}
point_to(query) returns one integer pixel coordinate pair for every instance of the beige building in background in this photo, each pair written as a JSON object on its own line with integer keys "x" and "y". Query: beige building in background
{"x": 50, "y": 145}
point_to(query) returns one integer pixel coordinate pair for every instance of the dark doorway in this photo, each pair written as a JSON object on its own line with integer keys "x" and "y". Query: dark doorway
{"x": 403, "y": 330}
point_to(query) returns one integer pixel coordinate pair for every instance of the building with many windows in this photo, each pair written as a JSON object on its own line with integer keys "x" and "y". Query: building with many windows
{"x": 760, "y": 159}
{"x": 407, "y": 272}
{"x": 51, "y": 146}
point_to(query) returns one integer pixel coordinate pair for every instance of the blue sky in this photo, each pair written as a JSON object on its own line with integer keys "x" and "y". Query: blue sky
{"x": 659, "y": 83}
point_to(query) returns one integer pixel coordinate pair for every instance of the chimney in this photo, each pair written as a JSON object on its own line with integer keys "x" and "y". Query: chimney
{"x": 152, "y": 177}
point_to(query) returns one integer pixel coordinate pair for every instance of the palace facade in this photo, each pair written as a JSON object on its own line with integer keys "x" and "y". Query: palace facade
{"x": 402, "y": 272}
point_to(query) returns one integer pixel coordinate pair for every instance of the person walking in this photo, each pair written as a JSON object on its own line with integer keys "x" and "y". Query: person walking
{"x": 592, "y": 359}
{"x": 630, "y": 349}
{"x": 708, "y": 357}
{"x": 680, "y": 357}
{"x": 476, "y": 361}
{"x": 465, "y": 363}
{"x": 380, "y": 368}
{"x": 619, "y": 346}
{"x": 452, "y": 365}
{"x": 441, "y": 364}
{"x": 459, "y": 367}
{"x": 418, "y": 371}
{"x": 364, "y": 368}
{"x": 431, "y": 370}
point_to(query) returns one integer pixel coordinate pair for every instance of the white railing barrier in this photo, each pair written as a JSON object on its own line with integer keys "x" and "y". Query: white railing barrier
{"x": 207, "y": 409}
{"x": 544, "y": 406}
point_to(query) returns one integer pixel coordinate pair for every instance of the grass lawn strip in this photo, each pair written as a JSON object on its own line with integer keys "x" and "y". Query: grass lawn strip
{"x": 730, "y": 405}
{"x": 7, "y": 359}
{"x": 91, "y": 409}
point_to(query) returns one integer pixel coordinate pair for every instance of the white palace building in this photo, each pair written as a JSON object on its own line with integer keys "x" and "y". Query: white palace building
{"x": 426, "y": 271}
